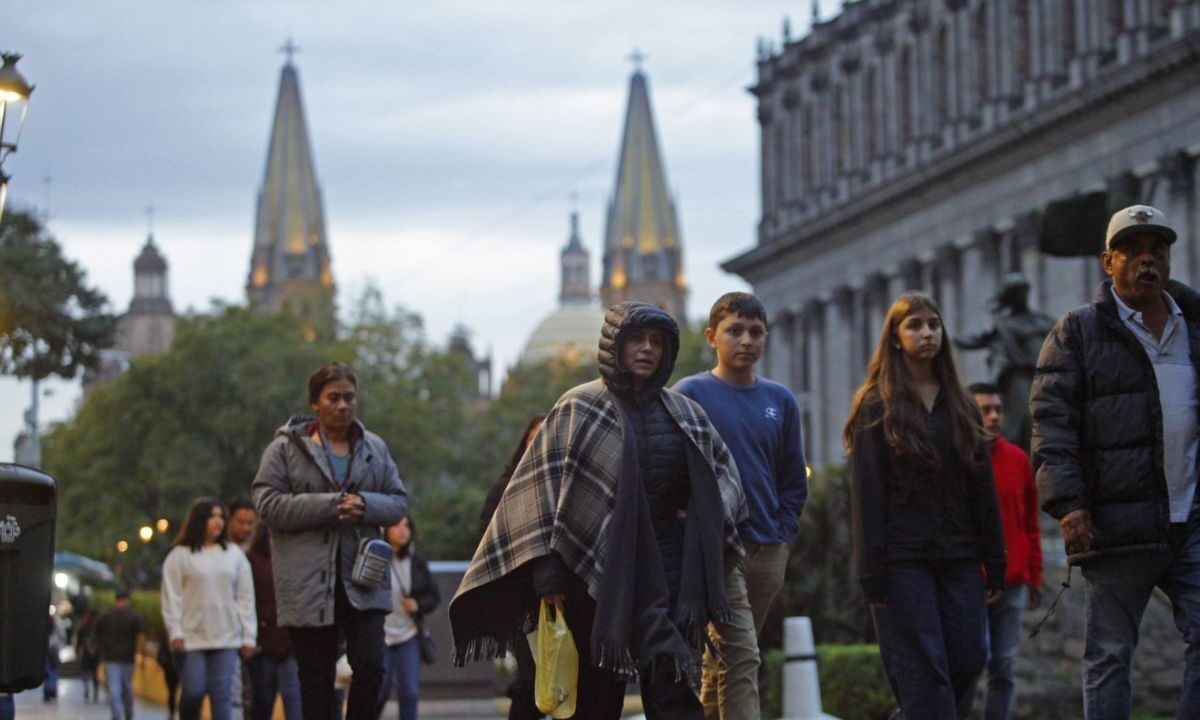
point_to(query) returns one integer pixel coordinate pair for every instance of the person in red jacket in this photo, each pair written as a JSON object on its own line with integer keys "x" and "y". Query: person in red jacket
{"x": 1017, "y": 496}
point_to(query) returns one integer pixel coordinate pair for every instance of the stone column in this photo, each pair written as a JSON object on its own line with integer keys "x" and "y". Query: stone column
{"x": 815, "y": 383}
{"x": 777, "y": 360}
{"x": 1027, "y": 257}
{"x": 1179, "y": 170}
{"x": 979, "y": 272}
{"x": 844, "y": 372}
{"x": 949, "y": 277}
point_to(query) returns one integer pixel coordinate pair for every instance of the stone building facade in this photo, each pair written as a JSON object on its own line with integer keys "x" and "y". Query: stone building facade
{"x": 941, "y": 145}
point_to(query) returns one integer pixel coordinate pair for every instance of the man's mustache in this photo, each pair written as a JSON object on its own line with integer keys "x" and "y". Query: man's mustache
{"x": 1149, "y": 273}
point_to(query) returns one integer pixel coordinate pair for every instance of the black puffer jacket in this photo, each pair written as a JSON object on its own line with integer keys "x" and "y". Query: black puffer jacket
{"x": 1097, "y": 425}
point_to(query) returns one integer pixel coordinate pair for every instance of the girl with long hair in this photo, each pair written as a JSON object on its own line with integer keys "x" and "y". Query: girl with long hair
{"x": 927, "y": 535}
{"x": 273, "y": 670}
{"x": 414, "y": 594}
{"x": 208, "y": 609}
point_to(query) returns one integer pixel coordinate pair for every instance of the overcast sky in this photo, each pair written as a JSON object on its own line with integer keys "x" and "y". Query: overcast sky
{"x": 448, "y": 137}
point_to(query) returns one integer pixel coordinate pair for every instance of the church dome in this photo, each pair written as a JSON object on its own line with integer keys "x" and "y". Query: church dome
{"x": 573, "y": 331}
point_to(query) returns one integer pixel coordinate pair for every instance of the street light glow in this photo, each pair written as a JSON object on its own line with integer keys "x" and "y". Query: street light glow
{"x": 146, "y": 533}
{"x": 61, "y": 580}
{"x": 122, "y": 546}
{"x": 163, "y": 525}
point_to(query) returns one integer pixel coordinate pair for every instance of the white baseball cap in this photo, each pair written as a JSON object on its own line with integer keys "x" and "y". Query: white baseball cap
{"x": 1137, "y": 219}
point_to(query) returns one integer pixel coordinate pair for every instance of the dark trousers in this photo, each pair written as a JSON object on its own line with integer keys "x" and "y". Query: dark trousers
{"x": 316, "y": 650}
{"x": 521, "y": 689}
{"x": 932, "y": 636}
{"x": 602, "y": 693}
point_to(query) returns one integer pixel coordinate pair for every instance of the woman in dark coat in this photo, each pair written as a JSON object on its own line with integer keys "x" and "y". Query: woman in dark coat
{"x": 414, "y": 594}
{"x": 619, "y": 515}
{"x": 273, "y": 669}
{"x": 926, "y": 526}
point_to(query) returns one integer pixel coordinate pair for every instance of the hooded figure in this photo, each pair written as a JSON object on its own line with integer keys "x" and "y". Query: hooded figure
{"x": 622, "y": 509}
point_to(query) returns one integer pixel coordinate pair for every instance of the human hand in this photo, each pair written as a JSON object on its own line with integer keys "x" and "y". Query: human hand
{"x": 351, "y": 508}
{"x": 410, "y": 606}
{"x": 248, "y": 651}
{"x": 993, "y": 596}
{"x": 555, "y": 601}
{"x": 177, "y": 645}
{"x": 1077, "y": 529}
{"x": 1035, "y": 596}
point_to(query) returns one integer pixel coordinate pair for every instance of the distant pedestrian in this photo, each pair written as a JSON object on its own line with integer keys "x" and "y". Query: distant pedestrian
{"x": 208, "y": 609}
{"x": 1115, "y": 443}
{"x": 619, "y": 515}
{"x": 1017, "y": 497}
{"x": 414, "y": 595}
{"x": 324, "y": 485}
{"x": 170, "y": 669}
{"x": 242, "y": 520}
{"x": 924, "y": 513}
{"x": 89, "y": 656}
{"x": 760, "y": 422}
{"x": 273, "y": 669}
{"x": 520, "y": 690}
{"x": 119, "y": 637}
{"x": 56, "y": 638}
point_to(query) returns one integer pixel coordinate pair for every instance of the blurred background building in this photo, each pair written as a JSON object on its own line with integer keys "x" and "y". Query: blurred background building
{"x": 944, "y": 144}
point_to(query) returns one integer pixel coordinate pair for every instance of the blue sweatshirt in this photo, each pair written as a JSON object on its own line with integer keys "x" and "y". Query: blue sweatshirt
{"x": 761, "y": 426}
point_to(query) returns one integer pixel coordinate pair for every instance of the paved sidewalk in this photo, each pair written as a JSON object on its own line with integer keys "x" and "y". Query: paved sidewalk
{"x": 70, "y": 705}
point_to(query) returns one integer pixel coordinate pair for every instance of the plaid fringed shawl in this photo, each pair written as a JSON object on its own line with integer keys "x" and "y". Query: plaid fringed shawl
{"x": 561, "y": 498}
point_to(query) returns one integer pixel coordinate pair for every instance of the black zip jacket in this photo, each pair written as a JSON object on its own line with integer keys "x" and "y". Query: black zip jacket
{"x": 1097, "y": 426}
{"x": 902, "y": 510}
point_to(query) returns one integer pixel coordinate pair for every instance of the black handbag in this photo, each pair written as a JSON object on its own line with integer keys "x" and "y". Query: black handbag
{"x": 429, "y": 651}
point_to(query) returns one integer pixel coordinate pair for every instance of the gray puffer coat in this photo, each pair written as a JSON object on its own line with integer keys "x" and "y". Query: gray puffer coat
{"x": 1097, "y": 426}
{"x": 296, "y": 498}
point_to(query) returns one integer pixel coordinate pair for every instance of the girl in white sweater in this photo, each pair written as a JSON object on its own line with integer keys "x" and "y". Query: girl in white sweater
{"x": 208, "y": 609}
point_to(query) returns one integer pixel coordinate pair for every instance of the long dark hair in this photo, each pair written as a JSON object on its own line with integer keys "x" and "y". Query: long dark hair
{"x": 890, "y": 382}
{"x": 522, "y": 444}
{"x": 196, "y": 525}
{"x": 406, "y": 549}
{"x": 260, "y": 543}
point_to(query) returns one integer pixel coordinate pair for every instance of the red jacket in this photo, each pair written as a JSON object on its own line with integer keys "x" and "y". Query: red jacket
{"x": 1018, "y": 501}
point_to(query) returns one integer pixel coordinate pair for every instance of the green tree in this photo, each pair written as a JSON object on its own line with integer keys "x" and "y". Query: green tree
{"x": 51, "y": 322}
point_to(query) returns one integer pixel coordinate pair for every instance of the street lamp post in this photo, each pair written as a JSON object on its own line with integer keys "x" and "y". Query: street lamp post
{"x": 14, "y": 103}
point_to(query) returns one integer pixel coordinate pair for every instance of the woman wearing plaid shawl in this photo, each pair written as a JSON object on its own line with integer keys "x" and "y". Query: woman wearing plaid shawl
{"x": 620, "y": 513}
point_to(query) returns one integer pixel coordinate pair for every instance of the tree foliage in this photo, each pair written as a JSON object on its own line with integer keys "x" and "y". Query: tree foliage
{"x": 51, "y": 321}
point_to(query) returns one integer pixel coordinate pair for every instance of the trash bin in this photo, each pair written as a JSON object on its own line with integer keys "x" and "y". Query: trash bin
{"x": 27, "y": 508}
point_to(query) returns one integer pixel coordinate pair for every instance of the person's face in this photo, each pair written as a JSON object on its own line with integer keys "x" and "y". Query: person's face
{"x": 920, "y": 335}
{"x": 216, "y": 523}
{"x": 991, "y": 408}
{"x": 642, "y": 353}
{"x": 1140, "y": 266}
{"x": 241, "y": 525}
{"x": 739, "y": 341}
{"x": 399, "y": 534}
{"x": 336, "y": 404}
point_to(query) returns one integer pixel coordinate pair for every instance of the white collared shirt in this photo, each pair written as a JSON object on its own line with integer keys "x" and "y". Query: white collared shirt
{"x": 1171, "y": 357}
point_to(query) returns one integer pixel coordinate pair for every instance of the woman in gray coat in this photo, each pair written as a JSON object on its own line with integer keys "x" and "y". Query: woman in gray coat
{"x": 325, "y": 484}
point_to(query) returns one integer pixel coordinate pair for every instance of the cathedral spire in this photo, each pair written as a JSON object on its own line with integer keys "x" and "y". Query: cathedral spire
{"x": 290, "y": 266}
{"x": 576, "y": 267}
{"x": 642, "y": 245}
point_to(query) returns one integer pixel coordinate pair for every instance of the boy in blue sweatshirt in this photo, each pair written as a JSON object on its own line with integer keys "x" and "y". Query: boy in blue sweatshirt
{"x": 760, "y": 422}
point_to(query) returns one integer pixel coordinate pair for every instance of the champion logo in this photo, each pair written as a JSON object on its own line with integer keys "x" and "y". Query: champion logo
{"x": 10, "y": 530}
{"x": 772, "y": 413}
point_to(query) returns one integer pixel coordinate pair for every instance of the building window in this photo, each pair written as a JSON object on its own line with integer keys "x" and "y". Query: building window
{"x": 983, "y": 65}
{"x": 943, "y": 83}
{"x": 779, "y": 165}
{"x": 907, "y": 86}
{"x": 1021, "y": 47}
{"x": 841, "y": 131}
{"x": 809, "y": 166}
{"x": 871, "y": 114}
{"x": 1069, "y": 25}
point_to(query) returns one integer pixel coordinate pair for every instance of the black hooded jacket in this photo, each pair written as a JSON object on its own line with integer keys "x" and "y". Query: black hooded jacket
{"x": 1097, "y": 426}
{"x": 661, "y": 444}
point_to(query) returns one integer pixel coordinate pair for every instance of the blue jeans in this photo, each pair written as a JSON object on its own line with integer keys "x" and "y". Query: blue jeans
{"x": 932, "y": 636}
{"x": 1118, "y": 589}
{"x": 271, "y": 676}
{"x": 402, "y": 669}
{"x": 207, "y": 672}
{"x": 118, "y": 678}
{"x": 8, "y": 708}
{"x": 1004, "y": 639}
{"x": 53, "y": 668}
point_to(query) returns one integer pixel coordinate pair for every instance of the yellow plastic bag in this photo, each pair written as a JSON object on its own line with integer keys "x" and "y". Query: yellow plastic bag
{"x": 556, "y": 683}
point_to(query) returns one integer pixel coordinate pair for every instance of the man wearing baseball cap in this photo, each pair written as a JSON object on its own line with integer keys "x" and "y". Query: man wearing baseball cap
{"x": 1115, "y": 436}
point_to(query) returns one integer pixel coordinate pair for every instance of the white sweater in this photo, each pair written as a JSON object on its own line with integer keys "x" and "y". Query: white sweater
{"x": 208, "y": 598}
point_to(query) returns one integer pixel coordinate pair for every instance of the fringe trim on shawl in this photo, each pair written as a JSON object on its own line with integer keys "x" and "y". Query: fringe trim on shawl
{"x": 490, "y": 647}
{"x": 615, "y": 659}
